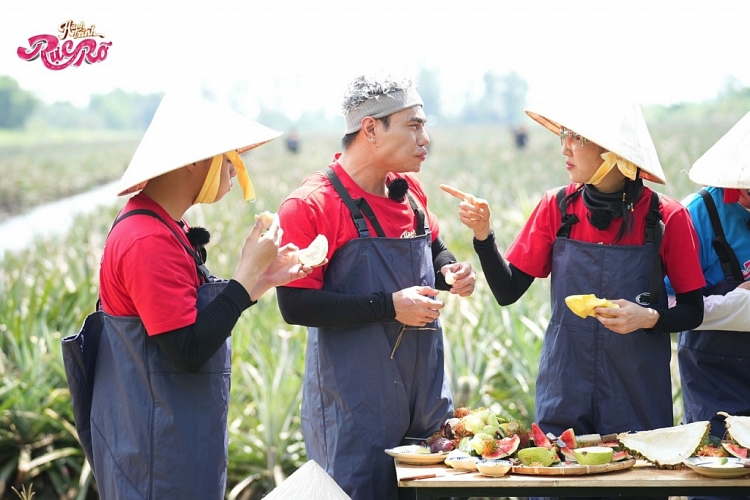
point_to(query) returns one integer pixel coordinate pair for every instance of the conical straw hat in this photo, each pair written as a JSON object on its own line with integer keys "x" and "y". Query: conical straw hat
{"x": 616, "y": 125}
{"x": 186, "y": 129}
{"x": 727, "y": 163}
{"x": 309, "y": 482}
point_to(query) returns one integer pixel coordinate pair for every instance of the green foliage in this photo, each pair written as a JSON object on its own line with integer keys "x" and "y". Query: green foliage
{"x": 16, "y": 105}
{"x": 122, "y": 110}
{"x": 46, "y": 171}
{"x": 502, "y": 102}
{"x": 428, "y": 85}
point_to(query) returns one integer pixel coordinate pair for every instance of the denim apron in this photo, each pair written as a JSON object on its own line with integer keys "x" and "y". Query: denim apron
{"x": 714, "y": 364}
{"x": 358, "y": 398}
{"x": 591, "y": 378}
{"x": 149, "y": 430}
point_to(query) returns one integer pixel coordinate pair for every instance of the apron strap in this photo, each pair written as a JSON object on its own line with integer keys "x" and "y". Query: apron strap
{"x": 566, "y": 220}
{"x": 421, "y": 222}
{"x": 354, "y": 207}
{"x": 728, "y": 259}
{"x": 654, "y": 234}
{"x": 203, "y": 271}
{"x": 367, "y": 211}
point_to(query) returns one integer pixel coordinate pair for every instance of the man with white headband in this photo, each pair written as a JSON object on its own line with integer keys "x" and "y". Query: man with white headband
{"x": 605, "y": 234}
{"x": 374, "y": 369}
{"x": 713, "y": 358}
{"x": 156, "y": 425}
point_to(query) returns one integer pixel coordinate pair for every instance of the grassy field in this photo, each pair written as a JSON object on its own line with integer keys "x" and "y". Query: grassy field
{"x": 40, "y": 165}
{"x": 492, "y": 352}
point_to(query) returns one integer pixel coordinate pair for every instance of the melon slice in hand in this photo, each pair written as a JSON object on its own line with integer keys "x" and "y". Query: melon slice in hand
{"x": 266, "y": 218}
{"x": 315, "y": 254}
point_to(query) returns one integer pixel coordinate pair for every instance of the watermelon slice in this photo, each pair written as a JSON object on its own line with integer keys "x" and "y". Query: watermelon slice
{"x": 569, "y": 438}
{"x": 540, "y": 439}
{"x": 734, "y": 450}
{"x": 619, "y": 455}
{"x": 507, "y": 446}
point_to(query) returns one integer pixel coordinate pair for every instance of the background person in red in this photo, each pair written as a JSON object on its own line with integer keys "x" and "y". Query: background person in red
{"x": 374, "y": 369}
{"x": 609, "y": 235}
{"x": 161, "y": 389}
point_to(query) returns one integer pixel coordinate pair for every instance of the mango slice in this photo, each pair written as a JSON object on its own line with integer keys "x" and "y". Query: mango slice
{"x": 583, "y": 305}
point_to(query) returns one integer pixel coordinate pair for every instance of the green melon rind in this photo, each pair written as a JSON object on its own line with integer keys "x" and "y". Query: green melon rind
{"x": 684, "y": 441}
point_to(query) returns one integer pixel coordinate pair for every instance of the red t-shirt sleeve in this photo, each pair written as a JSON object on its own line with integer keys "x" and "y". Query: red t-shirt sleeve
{"x": 531, "y": 251}
{"x": 680, "y": 248}
{"x": 300, "y": 224}
{"x": 160, "y": 283}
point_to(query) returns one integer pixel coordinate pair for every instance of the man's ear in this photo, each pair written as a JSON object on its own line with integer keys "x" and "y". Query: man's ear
{"x": 368, "y": 126}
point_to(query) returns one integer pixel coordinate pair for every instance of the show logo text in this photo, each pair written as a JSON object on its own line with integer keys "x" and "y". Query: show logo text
{"x": 75, "y": 45}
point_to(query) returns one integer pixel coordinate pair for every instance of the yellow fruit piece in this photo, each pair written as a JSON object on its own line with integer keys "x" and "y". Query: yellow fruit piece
{"x": 315, "y": 254}
{"x": 583, "y": 305}
{"x": 266, "y": 218}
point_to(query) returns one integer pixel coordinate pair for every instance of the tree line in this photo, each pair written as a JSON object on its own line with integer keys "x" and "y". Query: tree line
{"x": 501, "y": 102}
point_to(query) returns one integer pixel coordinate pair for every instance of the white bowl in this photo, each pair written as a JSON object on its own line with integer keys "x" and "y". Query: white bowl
{"x": 463, "y": 463}
{"x": 494, "y": 468}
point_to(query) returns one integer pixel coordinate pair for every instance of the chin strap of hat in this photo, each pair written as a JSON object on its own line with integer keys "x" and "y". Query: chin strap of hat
{"x": 213, "y": 179}
{"x": 611, "y": 160}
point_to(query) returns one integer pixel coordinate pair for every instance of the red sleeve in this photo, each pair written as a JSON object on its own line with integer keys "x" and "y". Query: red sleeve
{"x": 680, "y": 248}
{"x": 299, "y": 221}
{"x": 531, "y": 251}
{"x": 160, "y": 282}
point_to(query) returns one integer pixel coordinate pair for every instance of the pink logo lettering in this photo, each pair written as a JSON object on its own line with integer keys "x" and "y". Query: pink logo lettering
{"x": 57, "y": 56}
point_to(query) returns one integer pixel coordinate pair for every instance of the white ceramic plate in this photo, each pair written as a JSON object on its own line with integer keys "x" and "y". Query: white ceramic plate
{"x": 712, "y": 467}
{"x": 408, "y": 455}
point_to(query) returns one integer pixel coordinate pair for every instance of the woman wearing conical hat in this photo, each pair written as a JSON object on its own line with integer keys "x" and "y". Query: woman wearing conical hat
{"x": 158, "y": 413}
{"x": 609, "y": 235}
{"x": 714, "y": 357}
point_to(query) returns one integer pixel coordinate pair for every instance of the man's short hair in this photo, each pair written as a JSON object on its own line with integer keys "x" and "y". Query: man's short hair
{"x": 377, "y": 96}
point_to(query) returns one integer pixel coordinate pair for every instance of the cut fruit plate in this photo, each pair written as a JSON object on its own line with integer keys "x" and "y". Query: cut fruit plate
{"x": 409, "y": 454}
{"x": 572, "y": 469}
{"x": 718, "y": 467}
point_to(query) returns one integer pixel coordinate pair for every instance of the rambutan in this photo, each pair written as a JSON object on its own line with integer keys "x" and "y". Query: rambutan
{"x": 517, "y": 429}
{"x": 711, "y": 451}
{"x": 461, "y": 412}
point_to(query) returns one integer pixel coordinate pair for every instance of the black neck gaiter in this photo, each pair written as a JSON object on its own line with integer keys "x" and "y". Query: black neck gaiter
{"x": 604, "y": 207}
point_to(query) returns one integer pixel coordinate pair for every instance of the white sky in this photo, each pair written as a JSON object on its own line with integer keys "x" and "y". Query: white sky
{"x": 300, "y": 55}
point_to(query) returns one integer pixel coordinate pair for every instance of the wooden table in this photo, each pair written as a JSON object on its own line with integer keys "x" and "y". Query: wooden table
{"x": 641, "y": 480}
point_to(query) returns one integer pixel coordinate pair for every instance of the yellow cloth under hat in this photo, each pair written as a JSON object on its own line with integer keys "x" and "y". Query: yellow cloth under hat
{"x": 627, "y": 168}
{"x": 211, "y": 185}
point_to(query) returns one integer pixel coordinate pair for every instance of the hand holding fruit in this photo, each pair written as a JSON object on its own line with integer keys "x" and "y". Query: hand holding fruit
{"x": 626, "y": 318}
{"x": 473, "y": 212}
{"x": 461, "y": 277}
{"x": 415, "y": 305}
{"x": 281, "y": 271}
{"x": 258, "y": 252}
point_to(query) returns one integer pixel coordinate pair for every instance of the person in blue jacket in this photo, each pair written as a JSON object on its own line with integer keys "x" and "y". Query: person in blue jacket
{"x": 714, "y": 358}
